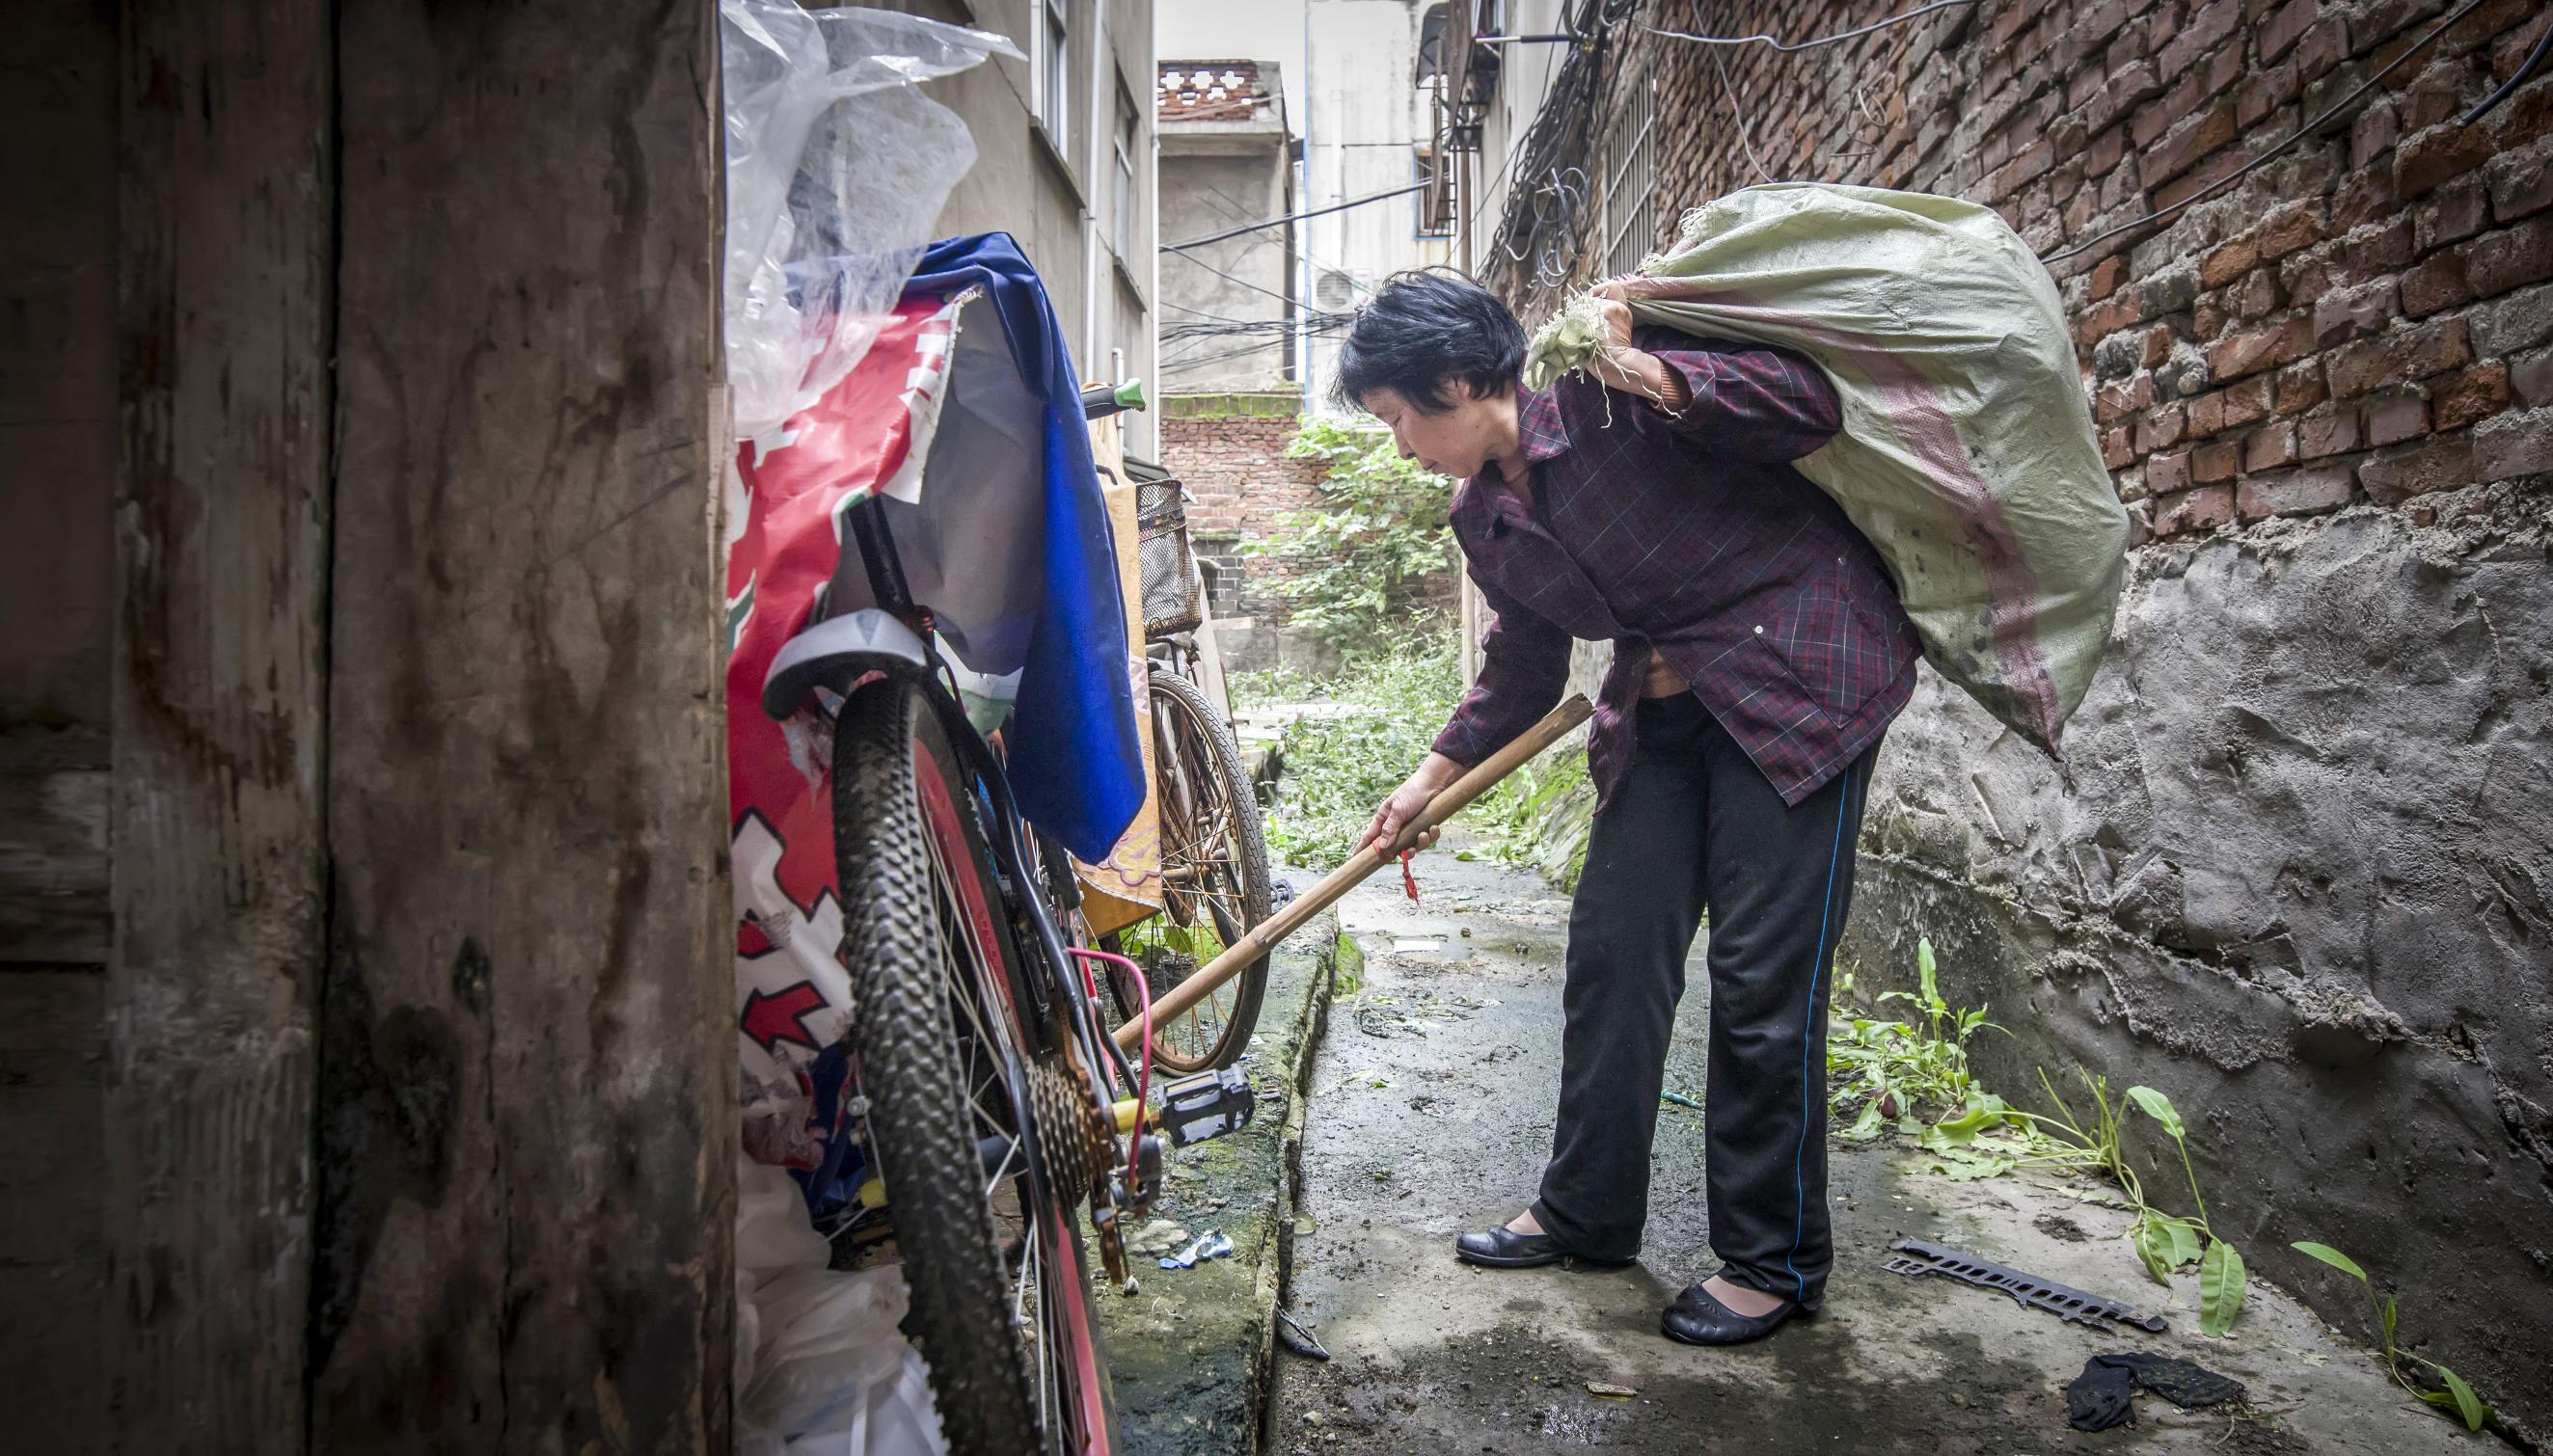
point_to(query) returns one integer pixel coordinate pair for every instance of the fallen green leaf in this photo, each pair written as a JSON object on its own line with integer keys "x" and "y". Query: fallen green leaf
{"x": 2467, "y": 1404}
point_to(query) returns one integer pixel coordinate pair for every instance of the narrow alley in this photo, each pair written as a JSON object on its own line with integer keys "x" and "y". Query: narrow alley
{"x": 1430, "y": 1114}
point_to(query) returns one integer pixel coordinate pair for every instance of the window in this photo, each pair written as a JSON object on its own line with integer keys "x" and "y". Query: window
{"x": 1127, "y": 133}
{"x": 1433, "y": 171}
{"x": 1630, "y": 180}
{"x": 1054, "y": 68}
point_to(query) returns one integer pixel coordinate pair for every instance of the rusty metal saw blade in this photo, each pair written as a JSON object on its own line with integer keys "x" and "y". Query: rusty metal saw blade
{"x": 1914, "y": 1257}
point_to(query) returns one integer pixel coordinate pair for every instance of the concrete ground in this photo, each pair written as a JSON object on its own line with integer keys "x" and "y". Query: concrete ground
{"x": 1188, "y": 1352}
{"x": 1430, "y": 1113}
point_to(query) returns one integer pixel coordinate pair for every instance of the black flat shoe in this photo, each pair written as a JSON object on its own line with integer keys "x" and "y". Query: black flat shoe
{"x": 1696, "y": 1319}
{"x": 1504, "y": 1248}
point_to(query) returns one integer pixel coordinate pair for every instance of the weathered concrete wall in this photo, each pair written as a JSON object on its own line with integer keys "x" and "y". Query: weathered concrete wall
{"x": 2295, "y": 871}
{"x": 2298, "y": 872}
{"x": 1055, "y": 194}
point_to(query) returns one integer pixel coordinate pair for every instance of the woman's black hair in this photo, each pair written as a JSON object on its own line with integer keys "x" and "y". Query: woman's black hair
{"x": 1425, "y": 331}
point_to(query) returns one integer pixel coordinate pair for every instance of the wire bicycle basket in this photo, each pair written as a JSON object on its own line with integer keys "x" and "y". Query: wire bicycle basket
{"x": 1173, "y": 596}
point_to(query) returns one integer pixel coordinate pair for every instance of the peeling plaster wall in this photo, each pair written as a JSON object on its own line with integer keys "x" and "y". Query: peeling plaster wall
{"x": 2298, "y": 872}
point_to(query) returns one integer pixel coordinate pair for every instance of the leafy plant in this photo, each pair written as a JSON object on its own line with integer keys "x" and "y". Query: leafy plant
{"x": 2164, "y": 1242}
{"x": 2458, "y": 1398}
{"x": 1339, "y": 770}
{"x": 1355, "y": 564}
{"x": 1896, "y": 1073}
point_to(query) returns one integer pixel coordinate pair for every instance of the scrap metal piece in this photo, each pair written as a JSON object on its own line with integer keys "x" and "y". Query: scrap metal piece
{"x": 1295, "y": 1336}
{"x": 1914, "y": 1257}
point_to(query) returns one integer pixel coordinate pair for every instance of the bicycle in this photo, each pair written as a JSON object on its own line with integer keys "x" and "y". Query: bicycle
{"x": 1215, "y": 882}
{"x": 993, "y": 1101}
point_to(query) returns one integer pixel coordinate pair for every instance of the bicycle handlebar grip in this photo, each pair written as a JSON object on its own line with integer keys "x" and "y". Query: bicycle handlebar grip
{"x": 1098, "y": 402}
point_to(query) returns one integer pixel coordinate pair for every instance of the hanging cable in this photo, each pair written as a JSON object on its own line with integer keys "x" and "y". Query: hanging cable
{"x": 1787, "y": 47}
{"x": 2508, "y": 88}
{"x": 1737, "y": 115}
{"x": 1277, "y": 222}
{"x": 2256, "y": 162}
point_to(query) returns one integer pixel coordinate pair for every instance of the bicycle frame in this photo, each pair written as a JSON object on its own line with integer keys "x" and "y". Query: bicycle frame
{"x": 897, "y": 639}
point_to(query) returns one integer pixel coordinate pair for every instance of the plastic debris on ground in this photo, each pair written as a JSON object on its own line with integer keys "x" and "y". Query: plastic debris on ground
{"x": 1610, "y": 1390}
{"x": 1209, "y": 1244}
{"x": 820, "y": 1367}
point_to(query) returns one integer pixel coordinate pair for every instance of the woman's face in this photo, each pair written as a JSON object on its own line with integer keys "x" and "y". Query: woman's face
{"x": 1461, "y": 441}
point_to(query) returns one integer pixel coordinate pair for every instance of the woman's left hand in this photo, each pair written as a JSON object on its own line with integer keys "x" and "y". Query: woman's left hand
{"x": 1613, "y": 307}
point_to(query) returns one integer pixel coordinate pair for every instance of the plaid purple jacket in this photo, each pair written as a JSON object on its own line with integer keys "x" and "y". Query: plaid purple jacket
{"x": 1693, "y": 537}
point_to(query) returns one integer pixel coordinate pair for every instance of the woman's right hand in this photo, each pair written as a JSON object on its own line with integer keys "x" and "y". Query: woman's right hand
{"x": 1408, "y": 802}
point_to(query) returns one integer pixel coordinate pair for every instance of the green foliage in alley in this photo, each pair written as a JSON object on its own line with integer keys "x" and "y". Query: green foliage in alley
{"x": 1354, "y": 566}
{"x": 2458, "y": 1400}
{"x": 1340, "y": 768}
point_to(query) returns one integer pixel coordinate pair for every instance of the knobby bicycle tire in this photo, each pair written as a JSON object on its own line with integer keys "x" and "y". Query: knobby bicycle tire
{"x": 897, "y": 793}
{"x": 1212, "y": 759}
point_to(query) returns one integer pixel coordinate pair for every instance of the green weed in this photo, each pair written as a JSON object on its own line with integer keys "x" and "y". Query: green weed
{"x": 1355, "y": 565}
{"x": 2458, "y": 1399}
{"x": 2164, "y": 1242}
{"x": 1915, "y": 1078}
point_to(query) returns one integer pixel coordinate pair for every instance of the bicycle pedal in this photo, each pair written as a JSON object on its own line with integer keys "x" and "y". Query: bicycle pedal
{"x": 1206, "y": 1106}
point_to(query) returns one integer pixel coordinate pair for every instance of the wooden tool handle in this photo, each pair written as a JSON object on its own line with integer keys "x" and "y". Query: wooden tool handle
{"x": 1448, "y": 802}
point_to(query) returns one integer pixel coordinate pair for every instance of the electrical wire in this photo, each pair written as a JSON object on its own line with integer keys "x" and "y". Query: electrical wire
{"x": 2508, "y": 88}
{"x": 1245, "y": 283}
{"x": 1854, "y": 34}
{"x": 2300, "y": 133}
{"x": 1526, "y": 224}
{"x": 1199, "y": 361}
{"x": 1737, "y": 115}
{"x": 1277, "y": 222}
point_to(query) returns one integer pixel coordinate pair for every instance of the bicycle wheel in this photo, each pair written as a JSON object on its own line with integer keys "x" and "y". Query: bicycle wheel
{"x": 999, "y": 1303}
{"x": 1214, "y": 875}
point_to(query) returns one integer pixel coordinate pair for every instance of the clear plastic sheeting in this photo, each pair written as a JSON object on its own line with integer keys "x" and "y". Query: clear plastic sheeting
{"x": 821, "y": 1369}
{"x": 837, "y": 166}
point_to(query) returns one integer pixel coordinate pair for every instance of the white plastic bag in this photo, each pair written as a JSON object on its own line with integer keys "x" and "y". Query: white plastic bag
{"x": 820, "y": 1367}
{"x": 836, "y": 168}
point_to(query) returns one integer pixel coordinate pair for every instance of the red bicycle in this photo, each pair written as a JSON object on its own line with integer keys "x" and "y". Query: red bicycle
{"x": 992, "y": 1103}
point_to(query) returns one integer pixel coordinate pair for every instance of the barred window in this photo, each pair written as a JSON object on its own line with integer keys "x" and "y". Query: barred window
{"x": 1631, "y": 177}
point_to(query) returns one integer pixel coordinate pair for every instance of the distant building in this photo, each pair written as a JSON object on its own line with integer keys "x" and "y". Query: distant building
{"x": 1063, "y": 162}
{"x": 1362, "y": 119}
{"x": 1227, "y": 160}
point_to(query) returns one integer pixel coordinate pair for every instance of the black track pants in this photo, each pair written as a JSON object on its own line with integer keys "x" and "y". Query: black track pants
{"x": 1696, "y": 825}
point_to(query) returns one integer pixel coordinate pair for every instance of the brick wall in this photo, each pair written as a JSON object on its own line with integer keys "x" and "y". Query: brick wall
{"x": 1234, "y": 468}
{"x": 2291, "y": 868}
{"x": 2364, "y": 319}
{"x": 1230, "y": 453}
